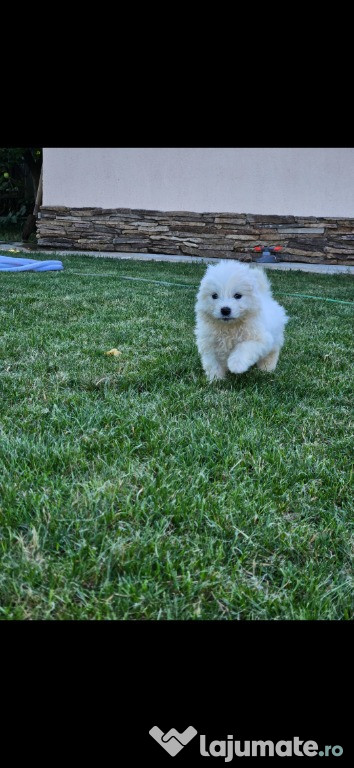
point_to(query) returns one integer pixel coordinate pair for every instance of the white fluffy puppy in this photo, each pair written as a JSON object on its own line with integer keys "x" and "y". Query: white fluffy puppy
{"x": 238, "y": 323}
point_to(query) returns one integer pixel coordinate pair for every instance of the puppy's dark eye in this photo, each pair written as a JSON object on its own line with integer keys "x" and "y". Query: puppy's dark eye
{"x": 214, "y": 295}
{"x": 237, "y": 295}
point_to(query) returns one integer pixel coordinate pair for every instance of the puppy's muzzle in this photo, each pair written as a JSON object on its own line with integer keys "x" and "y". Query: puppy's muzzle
{"x": 225, "y": 311}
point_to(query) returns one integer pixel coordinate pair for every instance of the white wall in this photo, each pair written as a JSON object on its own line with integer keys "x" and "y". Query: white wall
{"x": 309, "y": 182}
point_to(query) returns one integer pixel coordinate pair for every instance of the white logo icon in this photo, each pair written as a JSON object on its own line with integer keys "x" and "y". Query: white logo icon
{"x": 173, "y": 741}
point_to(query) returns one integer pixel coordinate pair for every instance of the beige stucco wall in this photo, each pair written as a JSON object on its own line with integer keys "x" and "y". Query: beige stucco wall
{"x": 304, "y": 181}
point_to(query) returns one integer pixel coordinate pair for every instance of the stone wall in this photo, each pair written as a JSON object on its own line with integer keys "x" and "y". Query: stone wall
{"x": 223, "y": 235}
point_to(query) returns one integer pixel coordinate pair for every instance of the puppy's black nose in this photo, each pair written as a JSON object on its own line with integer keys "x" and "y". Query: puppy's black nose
{"x": 225, "y": 310}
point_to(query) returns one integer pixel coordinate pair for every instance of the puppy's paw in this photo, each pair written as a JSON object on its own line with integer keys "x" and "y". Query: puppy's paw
{"x": 238, "y": 364}
{"x": 266, "y": 366}
{"x": 214, "y": 373}
{"x": 269, "y": 363}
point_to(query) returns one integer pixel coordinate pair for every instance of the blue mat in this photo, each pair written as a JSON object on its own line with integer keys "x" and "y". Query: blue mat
{"x": 9, "y": 264}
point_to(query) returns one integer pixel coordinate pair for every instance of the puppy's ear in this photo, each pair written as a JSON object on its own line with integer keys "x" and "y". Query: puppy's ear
{"x": 261, "y": 279}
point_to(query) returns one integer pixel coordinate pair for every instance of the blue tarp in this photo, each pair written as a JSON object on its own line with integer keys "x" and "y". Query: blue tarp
{"x": 9, "y": 264}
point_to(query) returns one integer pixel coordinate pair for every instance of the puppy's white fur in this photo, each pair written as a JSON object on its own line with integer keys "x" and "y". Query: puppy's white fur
{"x": 253, "y": 331}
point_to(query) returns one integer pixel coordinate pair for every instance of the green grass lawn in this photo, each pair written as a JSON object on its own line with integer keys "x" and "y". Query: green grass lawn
{"x": 130, "y": 488}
